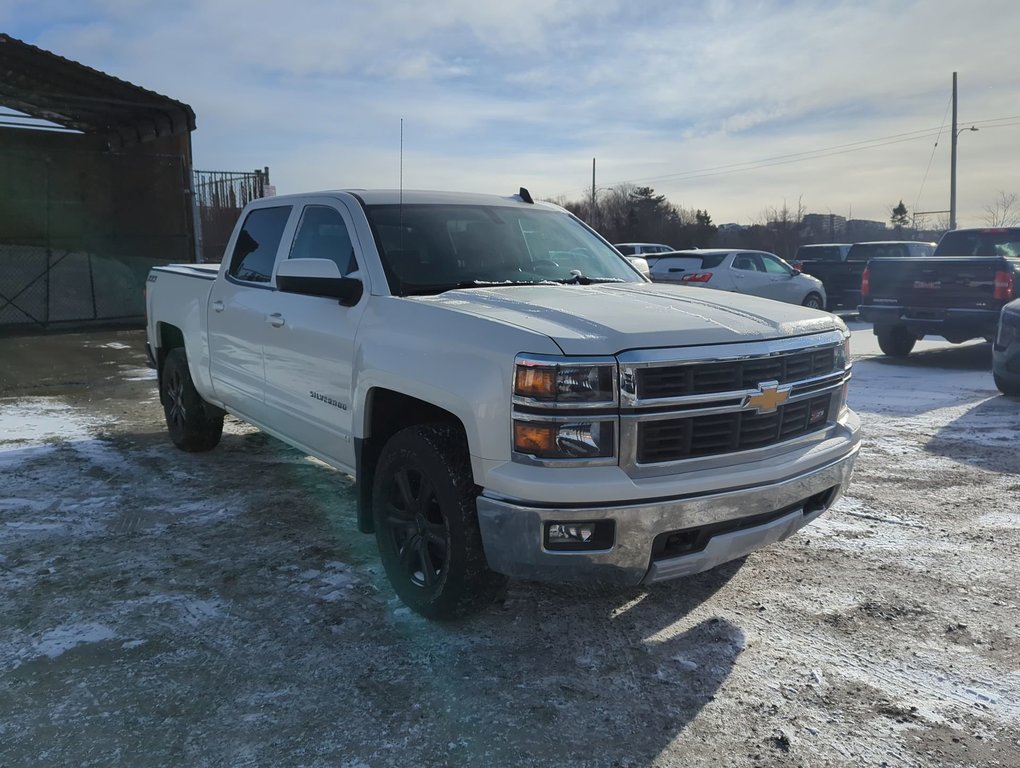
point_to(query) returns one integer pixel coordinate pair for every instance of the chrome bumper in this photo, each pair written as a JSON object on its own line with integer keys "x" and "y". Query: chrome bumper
{"x": 513, "y": 534}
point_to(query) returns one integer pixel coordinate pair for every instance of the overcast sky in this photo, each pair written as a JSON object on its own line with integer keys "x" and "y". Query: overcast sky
{"x": 727, "y": 106}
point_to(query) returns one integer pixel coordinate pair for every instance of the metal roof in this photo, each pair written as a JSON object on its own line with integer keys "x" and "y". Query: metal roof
{"x": 46, "y": 86}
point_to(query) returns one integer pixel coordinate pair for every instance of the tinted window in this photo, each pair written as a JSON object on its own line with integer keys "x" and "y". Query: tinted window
{"x": 322, "y": 234}
{"x": 257, "y": 243}
{"x": 820, "y": 253}
{"x": 626, "y": 250}
{"x": 431, "y": 248}
{"x": 712, "y": 260}
{"x": 867, "y": 251}
{"x": 980, "y": 242}
{"x": 749, "y": 262}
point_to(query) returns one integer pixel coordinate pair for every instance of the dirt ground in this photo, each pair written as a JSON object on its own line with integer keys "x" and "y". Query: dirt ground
{"x": 159, "y": 608}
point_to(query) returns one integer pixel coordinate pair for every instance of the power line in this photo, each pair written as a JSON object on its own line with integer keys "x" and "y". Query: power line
{"x": 795, "y": 157}
{"x": 949, "y": 103}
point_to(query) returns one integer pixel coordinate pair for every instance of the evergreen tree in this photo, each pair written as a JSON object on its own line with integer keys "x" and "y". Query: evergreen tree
{"x": 900, "y": 217}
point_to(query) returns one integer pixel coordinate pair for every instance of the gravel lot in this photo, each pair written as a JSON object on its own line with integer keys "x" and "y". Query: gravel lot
{"x": 169, "y": 609}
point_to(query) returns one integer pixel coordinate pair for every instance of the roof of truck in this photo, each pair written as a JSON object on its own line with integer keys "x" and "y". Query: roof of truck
{"x": 418, "y": 197}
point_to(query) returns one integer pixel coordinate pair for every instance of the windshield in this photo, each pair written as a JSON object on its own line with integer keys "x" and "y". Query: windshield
{"x": 434, "y": 248}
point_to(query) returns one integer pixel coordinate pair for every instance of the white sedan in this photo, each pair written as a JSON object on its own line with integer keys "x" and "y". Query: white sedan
{"x": 758, "y": 273}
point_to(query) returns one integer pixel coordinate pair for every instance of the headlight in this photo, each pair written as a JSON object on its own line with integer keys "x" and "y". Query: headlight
{"x": 842, "y": 361}
{"x": 843, "y": 351}
{"x": 580, "y": 384}
{"x": 574, "y": 439}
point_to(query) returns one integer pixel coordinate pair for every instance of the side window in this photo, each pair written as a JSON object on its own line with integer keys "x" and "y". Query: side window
{"x": 257, "y": 244}
{"x": 774, "y": 266}
{"x": 322, "y": 234}
{"x": 748, "y": 262}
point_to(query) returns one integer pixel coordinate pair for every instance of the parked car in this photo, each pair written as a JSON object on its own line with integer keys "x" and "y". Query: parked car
{"x": 842, "y": 278}
{"x": 1006, "y": 351}
{"x": 641, "y": 263}
{"x": 637, "y": 249}
{"x": 957, "y": 294}
{"x": 758, "y": 273}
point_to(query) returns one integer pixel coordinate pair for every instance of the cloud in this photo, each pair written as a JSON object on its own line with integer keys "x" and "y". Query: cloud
{"x": 497, "y": 94}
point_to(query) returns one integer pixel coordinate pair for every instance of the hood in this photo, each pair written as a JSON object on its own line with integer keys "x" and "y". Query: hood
{"x": 610, "y": 318}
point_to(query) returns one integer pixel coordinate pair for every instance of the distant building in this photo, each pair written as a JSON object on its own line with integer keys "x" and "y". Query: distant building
{"x": 822, "y": 227}
{"x": 860, "y": 230}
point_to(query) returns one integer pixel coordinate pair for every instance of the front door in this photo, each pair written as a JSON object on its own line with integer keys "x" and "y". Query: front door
{"x": 309, "y": 346}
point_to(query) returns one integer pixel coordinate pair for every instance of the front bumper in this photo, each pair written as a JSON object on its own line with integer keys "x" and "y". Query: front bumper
{"x": 729, "y": 524}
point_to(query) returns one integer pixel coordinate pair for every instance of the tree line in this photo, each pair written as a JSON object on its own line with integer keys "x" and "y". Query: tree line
{"x": 629, "y": 213}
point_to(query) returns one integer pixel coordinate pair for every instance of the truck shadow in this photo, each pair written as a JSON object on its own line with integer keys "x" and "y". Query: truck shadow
{"x": 984, "y": 436}
{"x": 925, "y": 381}
{"x": 591, "y": 675}
{"x": 965, "y": 357}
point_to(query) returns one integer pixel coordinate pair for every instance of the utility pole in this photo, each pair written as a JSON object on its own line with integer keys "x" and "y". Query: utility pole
{"x": 952, "y": 165}
{"x": 592, "y": 222}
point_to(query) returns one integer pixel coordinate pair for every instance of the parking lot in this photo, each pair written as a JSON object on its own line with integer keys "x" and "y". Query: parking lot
{"x": 170, "y": 609}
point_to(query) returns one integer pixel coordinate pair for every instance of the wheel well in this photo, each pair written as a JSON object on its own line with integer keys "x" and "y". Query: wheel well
{"x": 169, "y": 337}
{"x": 388, "y": 413}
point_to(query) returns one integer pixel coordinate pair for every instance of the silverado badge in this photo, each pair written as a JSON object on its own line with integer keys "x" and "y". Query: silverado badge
{"x": 769, "y": 397}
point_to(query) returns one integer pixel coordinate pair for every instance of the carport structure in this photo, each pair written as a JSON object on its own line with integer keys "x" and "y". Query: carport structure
{"x": 95, "y": 188}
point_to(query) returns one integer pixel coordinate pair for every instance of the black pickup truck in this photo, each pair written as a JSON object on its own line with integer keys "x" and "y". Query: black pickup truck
{"x": 957, "y": 293}
{"x": 840, "y": 267}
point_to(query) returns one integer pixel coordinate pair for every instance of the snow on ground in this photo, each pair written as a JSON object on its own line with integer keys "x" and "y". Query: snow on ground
{"x": 166, "y": 608}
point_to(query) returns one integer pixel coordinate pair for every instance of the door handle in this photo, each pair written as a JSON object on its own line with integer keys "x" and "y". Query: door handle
{"x": 217, "y": 306}
{"x": 276, "y": 320}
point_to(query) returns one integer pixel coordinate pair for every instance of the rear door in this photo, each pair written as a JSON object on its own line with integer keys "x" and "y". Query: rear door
{"x": 749, "y": 275}
{"x": 236, "y": 314}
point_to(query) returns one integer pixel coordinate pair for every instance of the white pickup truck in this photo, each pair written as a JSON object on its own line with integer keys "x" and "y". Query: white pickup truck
{"x": 513, "y": 398}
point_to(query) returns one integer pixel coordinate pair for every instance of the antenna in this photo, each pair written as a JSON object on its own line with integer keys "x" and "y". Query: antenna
{"x": 400, "y": 193}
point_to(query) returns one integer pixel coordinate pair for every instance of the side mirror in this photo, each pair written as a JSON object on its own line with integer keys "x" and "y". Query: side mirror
{"x": 318, "y": 277}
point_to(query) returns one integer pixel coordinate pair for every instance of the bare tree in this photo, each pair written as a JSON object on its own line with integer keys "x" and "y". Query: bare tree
{"x": 783, "y": 226}
{"x": 1004, "y": 213}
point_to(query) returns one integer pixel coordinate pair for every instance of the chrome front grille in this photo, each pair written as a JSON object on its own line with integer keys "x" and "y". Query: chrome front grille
{"x": 704, "y": 406}
{"x": 698, "y": 378}
{"x": 690, "y": 437}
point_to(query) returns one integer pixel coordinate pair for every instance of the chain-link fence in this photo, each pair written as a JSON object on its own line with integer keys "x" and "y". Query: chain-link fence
{"x": 79, "y": 231}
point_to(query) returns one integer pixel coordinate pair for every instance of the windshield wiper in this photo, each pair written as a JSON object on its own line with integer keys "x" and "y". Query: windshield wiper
{"x": 578, "y": 278}
{"x": 425, "y": 290}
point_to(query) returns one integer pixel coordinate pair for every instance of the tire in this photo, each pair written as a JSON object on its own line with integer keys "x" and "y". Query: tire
{"x": 895, "y": 340}
{"x": 1007, "y": 387}
{"x": 426, "y": 523}
{"x": 193, "y": 424}
{"x": 813, "y": 301}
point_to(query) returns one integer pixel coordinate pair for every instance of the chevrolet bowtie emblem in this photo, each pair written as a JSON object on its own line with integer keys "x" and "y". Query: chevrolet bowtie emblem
{"x": 768, "y": 397}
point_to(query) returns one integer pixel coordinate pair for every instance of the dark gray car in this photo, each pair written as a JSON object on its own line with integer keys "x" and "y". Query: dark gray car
{"x": 1006, "y": 351}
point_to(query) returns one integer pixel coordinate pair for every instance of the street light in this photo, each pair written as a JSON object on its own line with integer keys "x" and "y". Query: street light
{"x": 952, "y": 161}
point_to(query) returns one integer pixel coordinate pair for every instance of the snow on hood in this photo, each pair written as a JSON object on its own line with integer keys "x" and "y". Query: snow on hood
{"x": 612, "y": 317}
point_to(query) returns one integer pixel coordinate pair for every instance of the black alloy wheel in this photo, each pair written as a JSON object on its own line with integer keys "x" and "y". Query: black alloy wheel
{"x": 426, "y": 523}
{"x": 193, "y": 424}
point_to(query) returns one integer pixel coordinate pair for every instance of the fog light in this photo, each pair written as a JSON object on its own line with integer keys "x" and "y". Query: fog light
{"x": 582, "y": 533}
{"x": 579, "y": 537}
